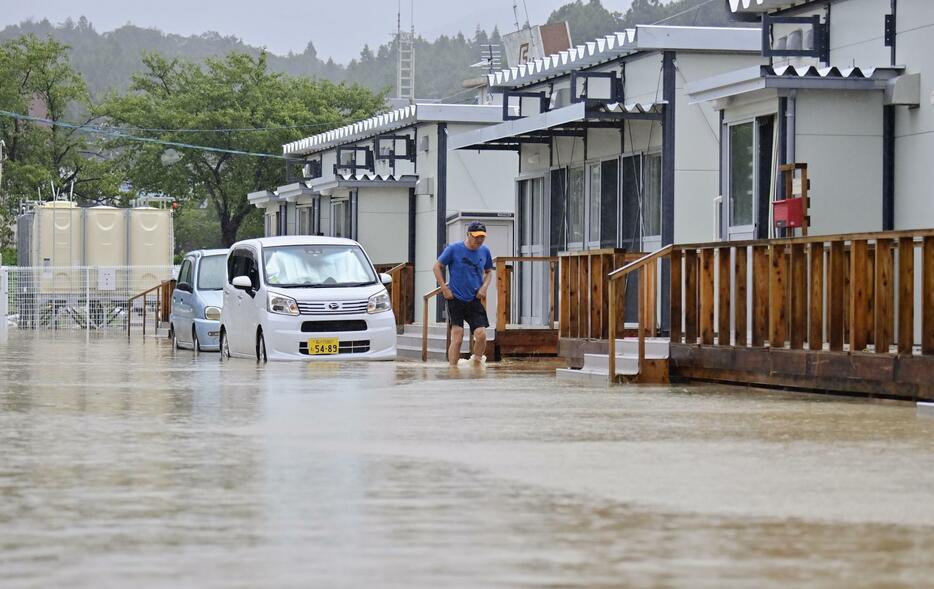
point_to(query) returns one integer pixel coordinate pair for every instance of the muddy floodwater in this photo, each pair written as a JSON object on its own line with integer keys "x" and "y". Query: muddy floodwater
{"x": 134, "y": 465}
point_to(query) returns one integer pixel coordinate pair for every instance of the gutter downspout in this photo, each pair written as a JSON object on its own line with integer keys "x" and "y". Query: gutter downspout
{"x": 669, "y": 94}
{"x": 888, "y": 147}
{"x": 442, "y": 193}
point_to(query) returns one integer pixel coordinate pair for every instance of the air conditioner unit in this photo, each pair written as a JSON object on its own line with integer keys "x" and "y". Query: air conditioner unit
{"x": 560, "y": 97}
{"x": 425, "y": 186}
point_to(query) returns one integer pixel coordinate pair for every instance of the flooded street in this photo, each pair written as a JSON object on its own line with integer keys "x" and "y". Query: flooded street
{"x": 137, "y": 465}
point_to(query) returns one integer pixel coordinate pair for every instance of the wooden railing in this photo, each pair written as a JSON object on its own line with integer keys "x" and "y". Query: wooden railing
{"x": 504, "y": 284}
{"x": 402, "y": 292}
{"x": 584, "y": 284}
{"x": 860, "y": 292}
{"x": 425, "y": 298}
{"x": 648, "y": 279}
{"x": 163, "y": 299}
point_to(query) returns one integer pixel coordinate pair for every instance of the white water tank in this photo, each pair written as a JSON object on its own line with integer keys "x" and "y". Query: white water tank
{"x": 150, "y": 246}
{"x": 57, "y": 245}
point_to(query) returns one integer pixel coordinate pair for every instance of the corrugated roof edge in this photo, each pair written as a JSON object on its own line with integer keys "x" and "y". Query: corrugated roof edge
{"x": 640, "y": 38}
{"x": 396, "y": 119}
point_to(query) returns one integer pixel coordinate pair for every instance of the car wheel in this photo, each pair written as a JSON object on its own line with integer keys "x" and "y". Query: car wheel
{"x": 225, "y": 346}
{"x": 261, "y": 348}
{"x": 195, "y": 344}
{"x": 173, "y": 337}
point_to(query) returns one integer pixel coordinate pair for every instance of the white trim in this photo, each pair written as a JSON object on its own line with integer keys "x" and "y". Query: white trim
{"x": 640, "y": 38}
{"x": 396, "y": 119}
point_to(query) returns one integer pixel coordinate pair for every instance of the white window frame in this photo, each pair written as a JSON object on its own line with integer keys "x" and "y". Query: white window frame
{"x": 740, "y": 232}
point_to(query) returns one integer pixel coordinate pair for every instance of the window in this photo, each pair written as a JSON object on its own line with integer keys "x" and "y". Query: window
{"x": 652, "y": 190}
{"x": 576, "y": 207}
{"x": 184, "y": 273}
{"x": 211, "y": 273}
{"x": 300, "y": 266}
{"x": 593, "y": 206}
{"x": 305, "y": 218}
{"x": 340, "y": 218}
{"x": 609, "y": 178}
{"x": 741, "y": 174}
{"x": 558, "y": 215}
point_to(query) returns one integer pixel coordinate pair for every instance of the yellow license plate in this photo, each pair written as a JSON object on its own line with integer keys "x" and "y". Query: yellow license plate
{"x": 325, "y": 345}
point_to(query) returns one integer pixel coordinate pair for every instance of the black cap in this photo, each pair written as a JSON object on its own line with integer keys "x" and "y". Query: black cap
{"x": 476, "y": 229}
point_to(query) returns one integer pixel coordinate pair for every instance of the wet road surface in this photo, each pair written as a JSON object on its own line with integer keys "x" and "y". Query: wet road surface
{"x": 136, "y": 465}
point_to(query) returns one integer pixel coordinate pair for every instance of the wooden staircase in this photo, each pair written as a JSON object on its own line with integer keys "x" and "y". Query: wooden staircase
{"x": 596, "y": 370}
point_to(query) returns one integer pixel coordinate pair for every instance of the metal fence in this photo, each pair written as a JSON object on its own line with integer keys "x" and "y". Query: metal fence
{"x": 78, "y": 297}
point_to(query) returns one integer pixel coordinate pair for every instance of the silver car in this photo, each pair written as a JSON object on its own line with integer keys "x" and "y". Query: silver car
{"x": 196, "y": 302}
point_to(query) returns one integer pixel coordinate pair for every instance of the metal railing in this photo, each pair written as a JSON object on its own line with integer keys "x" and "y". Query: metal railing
{"x": 504, "y": 286}
{"x": 425, "y": 299}
{"x": 163, "y": 304}
{"x": 78, "y": 297}
{"x": 646, "y": 266}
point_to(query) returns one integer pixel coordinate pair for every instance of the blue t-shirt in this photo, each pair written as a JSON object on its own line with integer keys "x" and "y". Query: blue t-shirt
{"x": 465, "y": 268}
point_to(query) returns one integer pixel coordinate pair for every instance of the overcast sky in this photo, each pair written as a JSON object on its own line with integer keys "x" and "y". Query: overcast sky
{"x": 338, "y": 28}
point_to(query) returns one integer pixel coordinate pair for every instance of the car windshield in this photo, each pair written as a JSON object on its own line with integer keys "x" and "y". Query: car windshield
{"x": 315, "y": 266}
{"x": 211, "y": 272}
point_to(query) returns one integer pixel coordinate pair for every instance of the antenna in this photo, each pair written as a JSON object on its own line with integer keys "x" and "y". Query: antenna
{"x": 405, "y": 50}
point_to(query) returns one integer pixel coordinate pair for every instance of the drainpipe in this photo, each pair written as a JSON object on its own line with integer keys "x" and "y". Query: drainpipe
{"x": 888, "y": 148}
{"x": 668, "y": 181}
{"x": 790, "y": 127}
{"x": 441, "y": 190}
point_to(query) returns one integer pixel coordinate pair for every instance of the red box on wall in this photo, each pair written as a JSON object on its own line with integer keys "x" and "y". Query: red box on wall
{"x": 788, "y": 213}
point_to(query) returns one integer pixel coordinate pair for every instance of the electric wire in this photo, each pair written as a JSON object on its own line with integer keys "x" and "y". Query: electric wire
{"x": 117, "y": 134}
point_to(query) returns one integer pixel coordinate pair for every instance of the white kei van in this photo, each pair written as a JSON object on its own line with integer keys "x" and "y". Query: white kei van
{"x": 305, "y": 298}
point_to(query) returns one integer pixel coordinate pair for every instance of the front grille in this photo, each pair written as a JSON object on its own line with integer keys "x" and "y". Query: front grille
{"x": 325, "y": 326}
{"x": 354, "y": 347}
{"x": 325, "y": 307}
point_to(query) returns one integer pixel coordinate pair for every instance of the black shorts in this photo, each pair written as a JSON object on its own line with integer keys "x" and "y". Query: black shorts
{"x": 472, "y": 312}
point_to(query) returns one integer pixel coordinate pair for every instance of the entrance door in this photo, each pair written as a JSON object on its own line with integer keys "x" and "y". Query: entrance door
{"x": 532, "y": 276}
{"x": 750, "y": 177}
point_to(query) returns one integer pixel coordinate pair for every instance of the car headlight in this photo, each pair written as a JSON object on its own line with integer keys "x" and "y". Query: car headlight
{"x": 212, "y": 313}
{"x": 281, "y": 304}
{"x": 378, "y": 303}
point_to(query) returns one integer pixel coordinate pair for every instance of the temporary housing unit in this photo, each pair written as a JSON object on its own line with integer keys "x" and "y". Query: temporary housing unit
{"x": 840, "y": 94}
{"x": 390, "y": 183}
{"x": 611, "y": 155}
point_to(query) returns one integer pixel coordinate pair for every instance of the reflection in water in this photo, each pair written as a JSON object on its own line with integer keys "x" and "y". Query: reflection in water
{"x": 135, "y": 464}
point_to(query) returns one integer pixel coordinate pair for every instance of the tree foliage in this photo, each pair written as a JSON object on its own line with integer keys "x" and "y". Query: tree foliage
{"x": 36, "y": 78}
{"x": 189, "y": 103}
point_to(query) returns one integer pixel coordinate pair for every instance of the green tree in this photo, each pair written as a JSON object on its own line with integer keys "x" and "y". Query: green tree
{"x": 37, "y": 79}
{"x": 234, "y": 103}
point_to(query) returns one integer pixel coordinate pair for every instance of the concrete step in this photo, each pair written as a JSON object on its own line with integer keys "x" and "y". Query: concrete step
{"x": 655, "y": 347}
{"x": 582, "y": 377}
{"x": 437, "y": 329}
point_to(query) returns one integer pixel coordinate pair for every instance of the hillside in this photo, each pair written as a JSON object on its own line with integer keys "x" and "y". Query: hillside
{"x": 108, "y": 60}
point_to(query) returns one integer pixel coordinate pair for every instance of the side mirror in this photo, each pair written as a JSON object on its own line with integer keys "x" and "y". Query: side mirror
{"x": 385, "y": 278}
{"x": 183, "y": 286}
{"x": 242, "y": 282}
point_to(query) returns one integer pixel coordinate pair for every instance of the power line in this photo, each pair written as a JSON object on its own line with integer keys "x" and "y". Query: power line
{"x": 695, "y": 7}
{"x": 121, "y": 135}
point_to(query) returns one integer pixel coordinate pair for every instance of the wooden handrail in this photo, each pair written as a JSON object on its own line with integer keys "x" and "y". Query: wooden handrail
{"x": 617, "y": 274}
{"x": 425, "y": 298}
{"x": 872, "y": 235}
{"x": 129, "y": 305}
{"x": 400, "y": 294}
{"x": 503, "y": 284}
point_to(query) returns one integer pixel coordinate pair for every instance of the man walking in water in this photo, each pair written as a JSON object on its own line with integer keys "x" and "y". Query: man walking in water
{"x": 470, "y": 266}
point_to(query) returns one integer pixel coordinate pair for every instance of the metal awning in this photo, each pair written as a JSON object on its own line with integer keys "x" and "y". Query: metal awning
{"x": 293, "y": 192}
{"x": 364, "y": 180}
{"x": 790, "y": 78}
{"x": 261, "y": 198}
{"x": 572, "y": 120}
